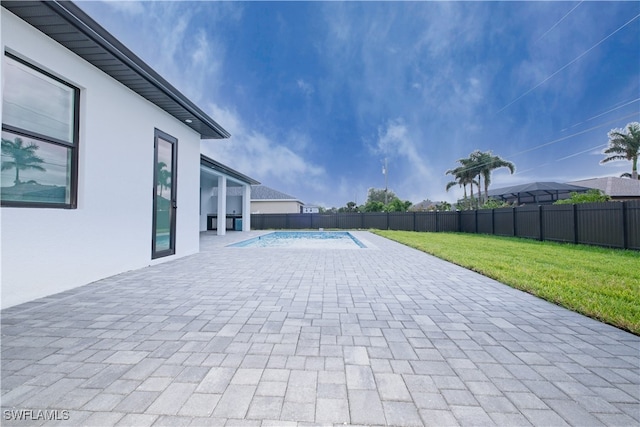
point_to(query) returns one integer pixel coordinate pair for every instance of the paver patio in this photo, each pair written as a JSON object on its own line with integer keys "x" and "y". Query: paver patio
{"x": 257, "y": 336}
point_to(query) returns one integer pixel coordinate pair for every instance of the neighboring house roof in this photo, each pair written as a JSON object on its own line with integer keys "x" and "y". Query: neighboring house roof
{"x": 536, "y": 192}
{"x": 264, "y": 193}
{"x": 613, "y": 186}
{"x": 67, "y": 24}
{"x": 217, "y": 166}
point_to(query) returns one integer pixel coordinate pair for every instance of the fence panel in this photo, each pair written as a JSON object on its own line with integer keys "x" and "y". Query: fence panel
{"x": 349, "y": 220}
{"x": 324, "y": 221}
{"x": 558, "y": 223}
{"x": 468, "y": 221}
{"x": 633, "y": 224}
{"x": 256, "y": 222}
{"x": 274, "y": 221}
{"x": 376, "y": 220}
{"x": 528, "y": 222}
{"x": 299, "y": 221}
{"x": 503, "y": 222}
{"x": 600, "y": 224}
{"x": 448, "y": 221}
{"x": 401, "y": 221}
{"x": 426, "y": 221}
{"x": 485, "y": 221}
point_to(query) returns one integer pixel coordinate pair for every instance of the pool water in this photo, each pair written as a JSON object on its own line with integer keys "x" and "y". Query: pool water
{"x": 303, "y": 239}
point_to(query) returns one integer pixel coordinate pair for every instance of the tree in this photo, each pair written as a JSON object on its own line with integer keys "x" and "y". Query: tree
{"x": 495, "y": 204}
{"x": 592, "y": 196}
{"x": 163, "y": 176}
{"x": 443, "y": 206}
{"x": 397, "y": 205}
{"x": 627, "y": 175}
{"x": 479, "y": 164}
{"x": 377, "y": 195}
{"x": 485, "y": 163}
{"x": 24, "y": 157}
{"x": 464, "y": 176}
{"x": 373, "y": 206}
{"x": 624, "y": 144}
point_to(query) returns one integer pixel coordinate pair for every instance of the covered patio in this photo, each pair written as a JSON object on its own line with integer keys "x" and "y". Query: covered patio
{"x": 385, "y": 335}
{"x": 538, "y": 193}
{"x": 226, "y": 191}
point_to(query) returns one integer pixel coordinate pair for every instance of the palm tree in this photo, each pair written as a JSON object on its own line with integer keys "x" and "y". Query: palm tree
{"x": 24, "y": 157}
{"x": 486, "y": 163}
{"x": 474, "y": 164}
{"x": 463, "y": 177}
{"x": 625, "y": 145}
{"x": 163, "y": 176}
{"x": 627, "y": 175}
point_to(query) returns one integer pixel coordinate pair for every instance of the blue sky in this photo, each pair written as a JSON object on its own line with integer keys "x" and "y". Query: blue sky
{"x": 317, "y": 94}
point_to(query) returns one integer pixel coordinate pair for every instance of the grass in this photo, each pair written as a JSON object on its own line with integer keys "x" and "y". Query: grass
{"x": 598, "y": 282}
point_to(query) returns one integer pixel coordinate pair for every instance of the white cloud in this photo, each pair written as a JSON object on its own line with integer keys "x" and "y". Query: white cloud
{"x": 257, "y": 155}
{"x": 133, "y": 8}
{"x": 394, "y": 139}
{"x": 306, "y": 88}
{"x": 174, "y": 40}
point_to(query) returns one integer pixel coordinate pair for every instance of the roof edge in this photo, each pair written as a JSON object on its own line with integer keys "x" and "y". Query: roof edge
{"x": 87, "y": 26}
{"x": 215, "y": 165}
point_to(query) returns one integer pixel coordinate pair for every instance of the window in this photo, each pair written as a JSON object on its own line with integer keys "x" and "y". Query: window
{"x": 39, "y": 137}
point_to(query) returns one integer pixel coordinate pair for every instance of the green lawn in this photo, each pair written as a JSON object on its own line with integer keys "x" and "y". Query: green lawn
{"x": 601, "y": 283}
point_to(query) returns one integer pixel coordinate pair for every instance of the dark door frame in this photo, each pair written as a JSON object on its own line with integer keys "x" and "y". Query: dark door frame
{"x": 159, "y": 135}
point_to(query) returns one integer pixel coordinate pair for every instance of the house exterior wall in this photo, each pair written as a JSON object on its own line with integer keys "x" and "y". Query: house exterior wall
{"x": 46, "y": 251}
{"x": 274, "y": 206}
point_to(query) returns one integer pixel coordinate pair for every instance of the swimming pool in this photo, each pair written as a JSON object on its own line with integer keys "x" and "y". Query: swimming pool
{"x": 303, "y": 239}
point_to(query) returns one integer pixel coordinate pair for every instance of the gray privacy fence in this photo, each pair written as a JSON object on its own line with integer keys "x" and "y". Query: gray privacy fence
{"x": 610, "y": 224}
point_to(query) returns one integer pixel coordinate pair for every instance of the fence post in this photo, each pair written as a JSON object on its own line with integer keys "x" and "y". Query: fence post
{"x": 437, "y": 222}
{"x": 286, "y": 220}
{"x": 515, "y": 215}
{"x": 625, "y": 229}
{"x": 493, "y": 222}
{"x": 575, "y": 224}
{"x": 414, "y": 222}
{"x": 476, "y": 221}
{"x": 541, "y": 222}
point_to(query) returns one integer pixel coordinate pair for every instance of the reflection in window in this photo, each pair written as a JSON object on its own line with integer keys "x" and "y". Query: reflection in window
{"x": 39, "y": 138}
{"x": 34, "y": 171}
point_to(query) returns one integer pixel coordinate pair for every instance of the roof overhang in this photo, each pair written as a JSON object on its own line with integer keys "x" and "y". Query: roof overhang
{"x": 67, "y": 24}
{"x": 209, "y": 163}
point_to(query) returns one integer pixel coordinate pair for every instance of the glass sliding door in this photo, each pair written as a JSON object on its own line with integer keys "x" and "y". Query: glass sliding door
{"x": 164, "y": 195}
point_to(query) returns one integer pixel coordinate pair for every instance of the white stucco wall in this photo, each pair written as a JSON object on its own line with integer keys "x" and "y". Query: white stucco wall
{"x": 45, "y": 251}
{"x": 275, "y": 206}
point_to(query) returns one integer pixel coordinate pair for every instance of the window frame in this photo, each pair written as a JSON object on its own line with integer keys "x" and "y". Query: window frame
{"x": 72, "y": 146}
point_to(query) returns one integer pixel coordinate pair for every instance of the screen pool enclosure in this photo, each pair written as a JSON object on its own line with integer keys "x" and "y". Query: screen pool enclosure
{"x": 303, "y": 239}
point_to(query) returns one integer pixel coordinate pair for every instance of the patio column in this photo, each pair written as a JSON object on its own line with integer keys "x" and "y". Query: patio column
{"x": 246, "y": 208}
{"x": 222, "y": 205}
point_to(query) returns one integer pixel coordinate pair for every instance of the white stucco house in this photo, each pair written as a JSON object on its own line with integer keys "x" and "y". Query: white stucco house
{"x": 266, "y": 200}
{"x": 102, "y": 171}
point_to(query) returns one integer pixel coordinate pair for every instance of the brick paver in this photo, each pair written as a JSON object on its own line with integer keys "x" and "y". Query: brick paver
{"x": 251, "y": 336}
